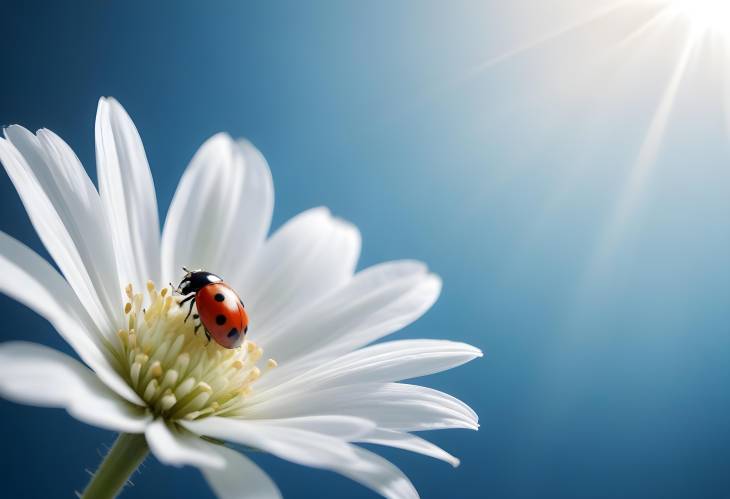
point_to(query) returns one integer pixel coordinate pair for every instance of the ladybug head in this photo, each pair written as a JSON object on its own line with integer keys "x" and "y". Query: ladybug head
{"x": 194, "y": 280}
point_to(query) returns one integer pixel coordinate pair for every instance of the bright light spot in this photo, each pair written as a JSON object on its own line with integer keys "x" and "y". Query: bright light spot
{"x": 705, "y": 15}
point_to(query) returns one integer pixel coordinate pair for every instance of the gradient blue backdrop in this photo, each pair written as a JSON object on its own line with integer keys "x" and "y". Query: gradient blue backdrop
{"x": 608, "y": 382}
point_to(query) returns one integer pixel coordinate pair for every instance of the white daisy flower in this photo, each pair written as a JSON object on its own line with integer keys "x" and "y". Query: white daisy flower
{"x": 306, "y": 386}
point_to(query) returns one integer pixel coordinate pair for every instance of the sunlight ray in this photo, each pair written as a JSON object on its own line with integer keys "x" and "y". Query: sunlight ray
{"x": 590, "y": 18}
{"x": 651, "y": 26}
{"x": 434, "y": 92}
{"x": 642, "y": 168}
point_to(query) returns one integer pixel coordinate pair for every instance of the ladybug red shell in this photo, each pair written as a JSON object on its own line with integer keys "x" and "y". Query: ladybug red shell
{"x": 220, "y": 309}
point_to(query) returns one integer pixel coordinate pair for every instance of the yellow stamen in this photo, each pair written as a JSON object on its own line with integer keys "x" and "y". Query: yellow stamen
{"x": 177, "y": 373}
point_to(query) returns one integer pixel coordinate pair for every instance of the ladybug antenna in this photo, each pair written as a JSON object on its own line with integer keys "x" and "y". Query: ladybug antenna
{"x": 186, "y": 270}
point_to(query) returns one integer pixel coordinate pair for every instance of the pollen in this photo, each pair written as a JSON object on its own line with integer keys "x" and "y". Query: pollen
{"x": 178, "y": 373}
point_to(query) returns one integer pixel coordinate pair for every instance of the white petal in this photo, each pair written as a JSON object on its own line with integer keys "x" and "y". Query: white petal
{"x": 287, "y": 439}
{"x": 240, "y": 478}
{"x": 343, "y": 427}
{"x": 65, "y": 210}
{"x": 411, "y": 443}
{"x": 221, "y": 211}
{"x": 394, "y": 406}
{"x": 310, "y": 256}
{"x": 49, "y": 295}
{"x": 377, "y": 301}
{"x": 379, "y": 475}
{"x": 37, "y": 375}
{"x": 43, "y": 290}
{"x": 287, "y": 442}
{"x": 176, "y": 448}
{"x": 384, "y": 362}
{"x": 128, "y": 195}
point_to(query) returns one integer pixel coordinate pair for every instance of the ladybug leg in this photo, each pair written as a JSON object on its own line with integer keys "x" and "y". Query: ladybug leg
{"x": 191, "y": 299}
{"x": 187, "y": 299}
{"x": 207, "y": 335}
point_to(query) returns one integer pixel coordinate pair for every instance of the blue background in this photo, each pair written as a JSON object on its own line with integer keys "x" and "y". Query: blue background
{"x": 606, "y": 363}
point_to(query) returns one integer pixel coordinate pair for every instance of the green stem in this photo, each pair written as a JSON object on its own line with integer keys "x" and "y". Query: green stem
{"x": 126, "y": 454}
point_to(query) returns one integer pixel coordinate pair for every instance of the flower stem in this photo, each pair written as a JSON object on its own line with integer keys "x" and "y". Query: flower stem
{"x": 125, "y": 456}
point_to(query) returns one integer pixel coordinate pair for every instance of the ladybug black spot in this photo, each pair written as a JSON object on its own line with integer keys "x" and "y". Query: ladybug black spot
{"x": 233, "y": 332}
{"x": 220, "y": 319}
{"x": 219, "y": 297}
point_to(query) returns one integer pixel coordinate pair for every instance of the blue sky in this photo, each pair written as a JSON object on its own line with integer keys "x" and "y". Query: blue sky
{"x": 562, "y": 168}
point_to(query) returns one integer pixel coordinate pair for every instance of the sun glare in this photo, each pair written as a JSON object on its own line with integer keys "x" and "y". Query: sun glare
{"x": 678, "y": 38}
{"x": 705, "y": 15}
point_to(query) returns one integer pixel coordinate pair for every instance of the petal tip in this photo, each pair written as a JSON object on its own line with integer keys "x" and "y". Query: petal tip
{"x": 223, "y": 136}
{"x": 107, "y": 99}
{"x": 15, "y": 130}
{"x": 108, "y": 103}
{"x": 320, "y": 211}
{"x": 435, "y": 279}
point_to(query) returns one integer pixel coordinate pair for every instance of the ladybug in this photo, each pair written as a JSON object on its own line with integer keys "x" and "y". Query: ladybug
{"x": 220, "y": 310}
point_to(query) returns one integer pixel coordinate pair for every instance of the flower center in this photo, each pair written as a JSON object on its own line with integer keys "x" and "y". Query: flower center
{"x": 178, "y": 373}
